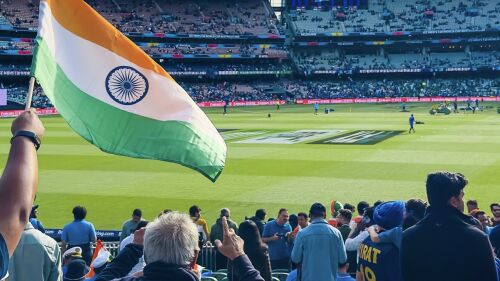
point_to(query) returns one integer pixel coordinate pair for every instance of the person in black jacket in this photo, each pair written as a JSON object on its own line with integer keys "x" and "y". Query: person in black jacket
{"x": 169, "y": 245}
{"x": 445, "y": 245}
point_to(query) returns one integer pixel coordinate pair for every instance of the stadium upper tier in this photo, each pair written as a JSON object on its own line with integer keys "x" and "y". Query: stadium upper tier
{"x": 399, "y": 15}
{"x": 221, "y": 17}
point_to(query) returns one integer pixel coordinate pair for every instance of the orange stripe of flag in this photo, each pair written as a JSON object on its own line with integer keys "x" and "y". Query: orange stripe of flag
{"x": 79, "y": 18}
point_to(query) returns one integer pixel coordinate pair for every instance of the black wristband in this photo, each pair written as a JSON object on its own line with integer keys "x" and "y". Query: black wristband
{"x": 29, "y": 135}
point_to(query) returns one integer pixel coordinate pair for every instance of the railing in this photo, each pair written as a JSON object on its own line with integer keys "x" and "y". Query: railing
{"x": 206, "y": 257}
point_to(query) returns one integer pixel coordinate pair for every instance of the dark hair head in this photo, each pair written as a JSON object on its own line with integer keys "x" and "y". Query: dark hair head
{"x": 193, "y": 210}
{"x": 293, "y": 220}
{"x": 478, "y": 213}
{"x": 494, "y": 205}
{"x": 253, "y": 247}
{"x": 472, "y": 203}
{"x": 317, "y": 210}
{"x": 346, "y": 214}
{"x": 260, "y": 214}
{"x": 79, "y": 213}
{"x": 362, "y": 206}
{"x": 415, "y": 211}
{"x": 441, "y": 186}
{"x": 137, "y": 213}
{"x": 378, "y": 202}
{"x": 140, "y": 225}
{"x": 166, "y": 211}
{"x": 349, "y": 207}
{"x": 368, "y": 216}
{"x": 281, "y": 211}
{"x": 224, "y": 212}
{"x": 302, "y": 214}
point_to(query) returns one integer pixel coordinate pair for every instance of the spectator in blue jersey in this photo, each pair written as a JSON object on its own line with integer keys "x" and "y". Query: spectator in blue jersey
{"x": 445, "y": 244}
{"x": 37, "y": 224}
{"x": 319, "y": 248}
{"x": 79, "y": 233}
{"x": 412, "y": 122}
{"x": 18, "y": 184}
{"x": 495, "y": 243}
{"x": 381, "y": 261}
{"x": 277, "y": 235}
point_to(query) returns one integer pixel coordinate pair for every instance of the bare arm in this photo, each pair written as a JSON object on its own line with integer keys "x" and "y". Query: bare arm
{"x": 373, "y": 234}
{"x": 19, "y": 181}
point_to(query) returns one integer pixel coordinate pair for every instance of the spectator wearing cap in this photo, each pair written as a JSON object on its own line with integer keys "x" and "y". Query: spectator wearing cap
{"x": 277, "y": 235}
{"x": 319, "y": 248}
{"x": 217, "y": 233}
{"x": 130, "y": 225}
{"x": 495, "y": 243}
{"x": 495, "y": 210}
{"x": 472, "y": 206}
{"x": 441, "y": 245}
{"x": 201, "y": 223}
{"x": 77, "y": 270}
{"x": 37, "y": 257}
{"x": 335, "y": 206}
{"x": 259, "y": 219}
{"x": 381, "y": 261}
{"x": 37, "y": 224}
{"x": 70, "y": 255}
{"x": 414, "y": 212}
{"x": 169, "y": 245}
{"x": 141, "y": 264}
{"x": 99, "y": 263}
{"x": 79, "y": 233}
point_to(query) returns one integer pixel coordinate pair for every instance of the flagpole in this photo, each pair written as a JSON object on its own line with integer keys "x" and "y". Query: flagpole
{"x": 29, "y": 96}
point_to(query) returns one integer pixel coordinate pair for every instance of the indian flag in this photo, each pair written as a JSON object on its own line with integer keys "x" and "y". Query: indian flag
{"x": 115, "y": 96}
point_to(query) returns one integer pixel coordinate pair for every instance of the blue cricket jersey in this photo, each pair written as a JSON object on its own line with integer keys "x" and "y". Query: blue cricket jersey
{"x": 379, "y": 261}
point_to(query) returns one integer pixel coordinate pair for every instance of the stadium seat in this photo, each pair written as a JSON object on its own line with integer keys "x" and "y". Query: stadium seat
{"x": 219, "y": 275}
{"x": 280, "y": 275}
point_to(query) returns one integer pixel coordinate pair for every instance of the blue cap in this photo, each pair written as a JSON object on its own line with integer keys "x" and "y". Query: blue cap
{"x": 389, "y": 214}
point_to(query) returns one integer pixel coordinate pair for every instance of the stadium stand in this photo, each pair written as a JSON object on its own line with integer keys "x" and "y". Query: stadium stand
{"x": 398, "y": 15}
{"x": 186, "y": 17}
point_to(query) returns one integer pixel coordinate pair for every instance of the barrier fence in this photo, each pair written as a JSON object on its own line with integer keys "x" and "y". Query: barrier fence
{"x": 53, "y": 111}
{"x": 206, "y": 256}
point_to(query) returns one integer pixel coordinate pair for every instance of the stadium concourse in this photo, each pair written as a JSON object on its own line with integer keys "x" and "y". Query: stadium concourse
{"x": 282, "y": 161}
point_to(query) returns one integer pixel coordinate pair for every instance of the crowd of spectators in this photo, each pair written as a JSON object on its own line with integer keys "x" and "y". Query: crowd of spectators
{"x": 393, "y": 15}
{"x": 310, "y": 61}
{"x": 222, "y": 17}
{"x": 393, "y": 240}
{"x": 297, "y": 89}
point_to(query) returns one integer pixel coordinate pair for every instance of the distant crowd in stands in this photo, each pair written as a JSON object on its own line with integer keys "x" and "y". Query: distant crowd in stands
{"x": 392, "y": 16}
{"x": 222, "y": 17}
{"x": 391, "y": 240}
{"x": 310, "y": 61}
{"x": 289, "y": 90}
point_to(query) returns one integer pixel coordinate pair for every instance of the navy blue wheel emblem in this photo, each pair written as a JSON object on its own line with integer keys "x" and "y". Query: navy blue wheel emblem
{"x": 126, "y": 86}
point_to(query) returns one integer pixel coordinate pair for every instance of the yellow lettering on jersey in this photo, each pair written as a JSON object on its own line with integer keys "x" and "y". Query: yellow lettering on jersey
{"x": 375, "y": 254}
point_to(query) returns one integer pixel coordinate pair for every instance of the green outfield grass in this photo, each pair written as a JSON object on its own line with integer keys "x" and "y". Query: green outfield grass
{"x": 271, "y": 176}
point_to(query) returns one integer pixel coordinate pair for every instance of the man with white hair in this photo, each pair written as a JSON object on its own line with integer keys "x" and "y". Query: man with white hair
{"x": 18, "y": 184}
{"x": 170, "y": 245}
